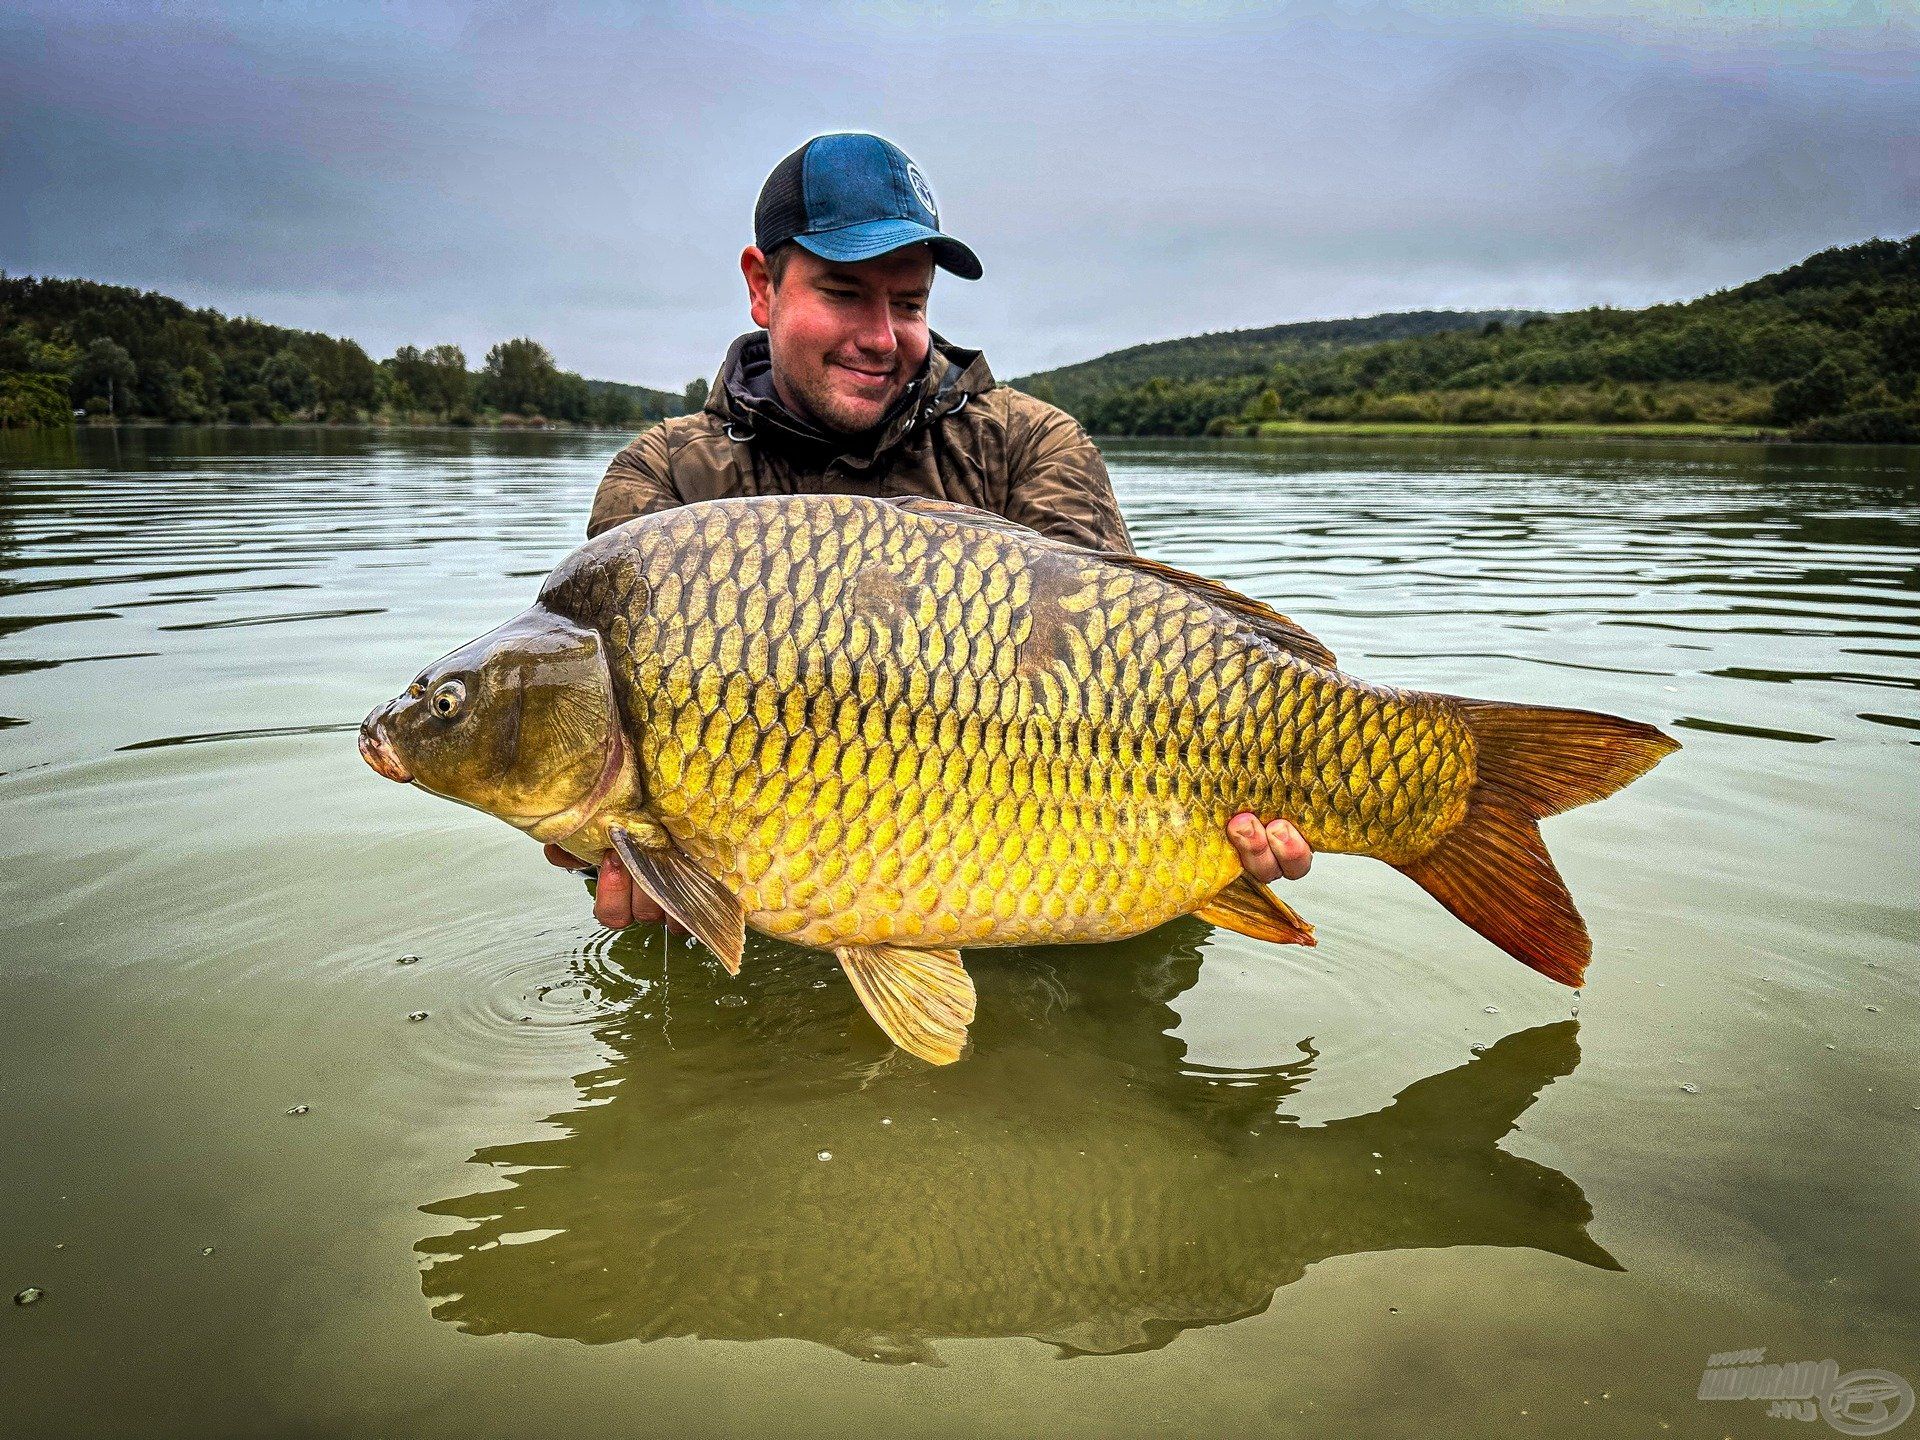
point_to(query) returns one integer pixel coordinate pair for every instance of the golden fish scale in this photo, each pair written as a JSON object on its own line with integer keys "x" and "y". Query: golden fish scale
{"x": 874, "y": 725}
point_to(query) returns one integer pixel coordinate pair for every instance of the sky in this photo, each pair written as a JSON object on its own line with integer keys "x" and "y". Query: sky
{"x": 423, "y": 172}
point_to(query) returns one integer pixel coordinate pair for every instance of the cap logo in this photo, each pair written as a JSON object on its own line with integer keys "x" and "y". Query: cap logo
{"x": 921, "y": 188}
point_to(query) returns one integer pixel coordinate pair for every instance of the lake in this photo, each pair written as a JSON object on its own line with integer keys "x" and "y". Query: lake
{"x": 330, "y": 1111}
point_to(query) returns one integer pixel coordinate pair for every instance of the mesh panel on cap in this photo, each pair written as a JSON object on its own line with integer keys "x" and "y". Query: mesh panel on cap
{"x": 781, "y": 212}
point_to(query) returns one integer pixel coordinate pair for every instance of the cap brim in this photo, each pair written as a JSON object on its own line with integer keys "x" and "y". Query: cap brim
{"x": 882, "y": 237}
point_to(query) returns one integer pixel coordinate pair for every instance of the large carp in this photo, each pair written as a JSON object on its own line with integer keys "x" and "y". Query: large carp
{"x": 894, "y": 728}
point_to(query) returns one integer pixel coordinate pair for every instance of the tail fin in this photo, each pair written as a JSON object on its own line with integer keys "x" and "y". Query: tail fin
{"x": 1492, "y": 869}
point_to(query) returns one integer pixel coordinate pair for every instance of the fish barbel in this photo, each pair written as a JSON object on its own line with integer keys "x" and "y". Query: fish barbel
{"x": 895, "y": 728}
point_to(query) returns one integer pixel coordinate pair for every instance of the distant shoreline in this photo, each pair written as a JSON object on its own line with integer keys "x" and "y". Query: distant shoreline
{"x": 491, "y": 427}
{"x": 1267, "y": 430}
{"x": 1518, "y": 430}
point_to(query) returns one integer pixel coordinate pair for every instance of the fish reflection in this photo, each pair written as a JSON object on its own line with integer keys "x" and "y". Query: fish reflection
{"x": 729, "y": 1175}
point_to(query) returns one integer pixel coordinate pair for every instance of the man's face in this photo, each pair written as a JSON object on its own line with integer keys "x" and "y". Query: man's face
{"x": 846, "y": 338}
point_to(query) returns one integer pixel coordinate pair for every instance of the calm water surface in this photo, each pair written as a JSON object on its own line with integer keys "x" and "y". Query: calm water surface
{"x": 1394, "y": 1185}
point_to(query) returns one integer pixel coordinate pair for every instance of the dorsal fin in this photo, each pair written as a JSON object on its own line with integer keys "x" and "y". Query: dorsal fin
{"x": 1265, "y": 620}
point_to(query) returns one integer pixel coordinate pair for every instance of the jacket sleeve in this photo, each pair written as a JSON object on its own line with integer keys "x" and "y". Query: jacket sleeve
{"x": 637, "y": 483}
{"x": 1057, "y": 482}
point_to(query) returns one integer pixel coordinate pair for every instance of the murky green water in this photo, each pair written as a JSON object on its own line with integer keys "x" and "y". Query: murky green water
{"x": 1188, "y": 1184}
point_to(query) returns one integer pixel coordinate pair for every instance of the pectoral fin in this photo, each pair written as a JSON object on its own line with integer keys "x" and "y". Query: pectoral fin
{"x": 923, "y": 999}
{"x": 688, "y": 894}
{"x": 1253, "y": 909}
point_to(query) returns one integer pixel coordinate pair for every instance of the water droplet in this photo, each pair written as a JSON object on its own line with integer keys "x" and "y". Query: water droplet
{"x": 1476, "y": 1049}
{"x": 32, "y": 1295}
{"x": 1829, "y": 1045}
{"x": 824, "y": 1155}
{"x": 884, "y": 1120}
{"x": 61, "y": 1244}
{"x": 731, "y": 1002}
{"x": 1873, "y": 1009}
{"x": 1691, "y": 1088}
{"x": 1393, "y": 1309}
{"x": 1493, "y": 1010}
{"x": 416, "y": 1015}
{"x": 207, "y": 1250}
{"x": 408, "y": 960}
{"x": 298, "y": 1110}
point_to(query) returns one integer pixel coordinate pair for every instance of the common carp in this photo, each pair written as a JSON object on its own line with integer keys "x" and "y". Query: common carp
{"x": 894, "y": 728}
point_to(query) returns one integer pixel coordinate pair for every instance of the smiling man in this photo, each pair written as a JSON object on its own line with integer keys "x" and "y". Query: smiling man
{"x": 845, "y": 390}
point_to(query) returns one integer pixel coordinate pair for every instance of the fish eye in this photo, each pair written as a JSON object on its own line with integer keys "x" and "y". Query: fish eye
{"x": 447, "y": 699}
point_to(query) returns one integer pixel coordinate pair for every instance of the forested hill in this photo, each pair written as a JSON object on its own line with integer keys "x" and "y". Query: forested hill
{"x": 1829, "y": 348}
{"x": 1226, "y": 354}
{"x": 69, "y": 345}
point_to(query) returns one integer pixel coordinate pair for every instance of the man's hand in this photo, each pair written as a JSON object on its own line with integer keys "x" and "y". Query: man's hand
{"x": 1269, "y": 851}
{"x": 617, "y": 901}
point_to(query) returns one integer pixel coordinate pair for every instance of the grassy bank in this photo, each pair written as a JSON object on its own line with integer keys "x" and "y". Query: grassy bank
{"x": 1525, "y": 430}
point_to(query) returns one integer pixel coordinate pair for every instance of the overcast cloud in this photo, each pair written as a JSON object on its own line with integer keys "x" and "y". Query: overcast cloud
{"x": 427, "y": 172}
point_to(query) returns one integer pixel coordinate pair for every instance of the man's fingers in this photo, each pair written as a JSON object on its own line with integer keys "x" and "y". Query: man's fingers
{"x": 556, "y": 856}
{"x": 1268, "y": 852}
{"x": 613, "y": 895}
{"x": 1290, "y": 848}
{"x": 1249, "y": 839}
{"x": 618, "y": 902}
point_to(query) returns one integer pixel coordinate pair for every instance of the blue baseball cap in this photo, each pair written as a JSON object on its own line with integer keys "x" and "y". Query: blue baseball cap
{"x": 853, "y": 196}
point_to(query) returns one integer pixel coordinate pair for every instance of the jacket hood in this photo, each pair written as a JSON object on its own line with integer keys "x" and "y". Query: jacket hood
{"x": 743, "y": 399}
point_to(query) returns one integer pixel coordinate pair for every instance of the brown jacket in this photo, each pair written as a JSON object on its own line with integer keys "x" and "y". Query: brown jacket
{"x": 955, "y": 435}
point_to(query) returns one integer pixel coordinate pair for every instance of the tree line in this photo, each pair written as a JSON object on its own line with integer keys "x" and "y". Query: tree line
{"x": 114, "y": 352}
{"x": 1829, "y": 349}
{"x": 1223, "y": 354}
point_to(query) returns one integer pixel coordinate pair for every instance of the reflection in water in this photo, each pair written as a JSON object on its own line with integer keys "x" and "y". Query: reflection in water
{"x": 1076, "y": 1180}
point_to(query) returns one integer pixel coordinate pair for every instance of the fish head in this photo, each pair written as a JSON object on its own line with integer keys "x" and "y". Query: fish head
{"x": 522, "y": 723}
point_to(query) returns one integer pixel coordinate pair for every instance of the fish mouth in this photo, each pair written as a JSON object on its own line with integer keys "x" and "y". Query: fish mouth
{"x": 376, "y": 750}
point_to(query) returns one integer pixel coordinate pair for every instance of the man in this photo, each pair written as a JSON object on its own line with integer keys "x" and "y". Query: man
{"x": 846, "y": 391}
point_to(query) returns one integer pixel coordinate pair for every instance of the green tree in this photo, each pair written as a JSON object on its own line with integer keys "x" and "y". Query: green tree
{"x": 613, "y": 408}
{"x": 519, "y": 377}
{"x": 290, "y": 382}
{"x": 31, "y": 400}
{"x": 1821, "y": 391}
{"x": 449, "y": 388}
{"x": 695, "y": 396}
{"x": 410, "y": 379}
{"x": 107, "y": 370}
{"x": 568, "y": 398}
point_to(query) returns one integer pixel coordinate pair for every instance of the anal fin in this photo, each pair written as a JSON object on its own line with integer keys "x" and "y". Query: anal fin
{"x": 688, "y": 894}
{"x": 923, "y": 999}
{"x": 1253, "y": 909}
